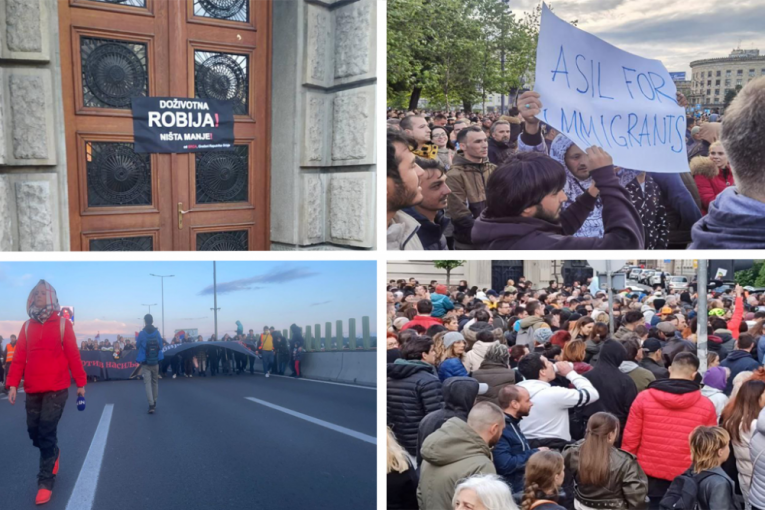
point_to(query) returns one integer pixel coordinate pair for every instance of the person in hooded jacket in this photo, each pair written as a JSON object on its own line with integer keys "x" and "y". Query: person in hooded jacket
{"x": 642, "y": 377}
{"x": 616, "y": 389}
{"x": 413, "y": 390}
{"x": 660, "y": 421}
{"x": 714, "y": 385}
{"x": 297, "y": 346}
{"x": 458, "y": 450}
{"x": 149, "y": 345}
{"x": 44, "y": 358}
{"x": 441, "y": 302}
{"x": 495, "y": 372}
{"x": 740, "y": 359}
{"x": 459, "y": 395}
{"x": 653, "y": 359}
{"x": 735, "y": 218}
{"x": 484, "y": 340}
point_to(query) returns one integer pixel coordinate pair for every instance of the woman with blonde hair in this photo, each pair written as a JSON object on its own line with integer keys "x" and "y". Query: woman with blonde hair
{"x": 450, "y": 352}
{"x": 545, "y": 472}
{"x": 710, "y": 447}
{"x": 483, "y": 492}
{"x": 402, "y": 477}
{"x": 606, "y": 477}
{"x": 575, "y": 351}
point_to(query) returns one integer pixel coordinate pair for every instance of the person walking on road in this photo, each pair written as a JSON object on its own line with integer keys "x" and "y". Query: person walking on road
{"x": 8, "y": 357}
{"x": 298, "y": 345}
{"x": 267, "y": 350}
{"x": 45, "y": 355}
{"x": 149, "y": 355}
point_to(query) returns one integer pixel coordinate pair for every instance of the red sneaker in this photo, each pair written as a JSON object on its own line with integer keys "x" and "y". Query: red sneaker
{"x": 43, "y": 496}
{"x": 55, "y": 466}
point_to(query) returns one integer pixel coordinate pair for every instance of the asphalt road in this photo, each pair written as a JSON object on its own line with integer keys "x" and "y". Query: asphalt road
{"x": 207, "y": 447}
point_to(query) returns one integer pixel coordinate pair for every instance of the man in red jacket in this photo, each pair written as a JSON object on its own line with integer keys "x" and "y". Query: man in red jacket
{"x": 423, "y": 318}
{"x": 45, "y": 357}
{"x": 660, "y": 421}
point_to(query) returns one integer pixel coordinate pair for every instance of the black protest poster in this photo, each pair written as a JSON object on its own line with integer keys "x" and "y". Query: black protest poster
{"x": 178, "y": 124}
{"x": 105, "y": 365}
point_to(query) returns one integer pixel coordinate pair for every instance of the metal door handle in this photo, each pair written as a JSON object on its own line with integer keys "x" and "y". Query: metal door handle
{"x": 181, "y": 212}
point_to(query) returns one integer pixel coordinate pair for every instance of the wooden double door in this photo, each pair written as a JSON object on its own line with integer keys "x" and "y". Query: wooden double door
{"x": 114, "y": 50}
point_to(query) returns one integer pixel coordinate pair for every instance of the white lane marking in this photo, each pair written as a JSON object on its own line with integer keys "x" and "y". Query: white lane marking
{"x": 325, "y": 382}
{"x": 322, "y": 423}
{"x": 84, "y": 491}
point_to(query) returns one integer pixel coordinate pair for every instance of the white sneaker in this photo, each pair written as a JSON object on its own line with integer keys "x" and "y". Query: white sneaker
{"x": 266, "y": 374}
{"x": 174, "y": 376}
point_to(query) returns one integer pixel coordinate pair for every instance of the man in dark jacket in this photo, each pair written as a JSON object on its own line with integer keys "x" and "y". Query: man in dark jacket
{"x": 459, "y": 396}
{"x": 414, "y": 390}
{"x": 735, "y": 218}
{"x": 524, "y": 201}
{"x": 500, "y": 148}
{"x": 149, "y": 345}
{"x": 430, "y": 212}
{"x": 653, "y": 359}
{"x": 467, "y": 180}
{"x": 740, "y": 360}
{"x": 513, "y": 450}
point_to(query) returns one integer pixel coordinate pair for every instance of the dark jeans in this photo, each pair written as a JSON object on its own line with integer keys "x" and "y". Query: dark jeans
{"x": 251, "y": 362}
{"x": 281, "y": 363}
{"x": 657, "y": 487}
{"x": 43, "y": 413}
{"x": 213, "y": 365}
{"x": 268, "y": 361}
{"x": 176, "y": 361}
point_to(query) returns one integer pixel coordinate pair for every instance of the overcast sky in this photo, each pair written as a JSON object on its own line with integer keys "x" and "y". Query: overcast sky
{"x": 107, "y": 296}
{"x": 669, "y": 30}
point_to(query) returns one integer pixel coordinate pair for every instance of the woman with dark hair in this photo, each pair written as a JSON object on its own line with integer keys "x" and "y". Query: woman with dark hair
{"x": 739, "y": 418}
{"x": 606, "y": 477}
{"x": 524, "y": 207}
{"x": 598, "y": 335}
{"x": 297, "y": 345}
{"x": 45, "y": 355}
{"x": 545, "y": 472}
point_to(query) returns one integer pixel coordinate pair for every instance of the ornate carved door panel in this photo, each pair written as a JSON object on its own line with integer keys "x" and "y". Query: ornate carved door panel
{"x": 113, "y": 50}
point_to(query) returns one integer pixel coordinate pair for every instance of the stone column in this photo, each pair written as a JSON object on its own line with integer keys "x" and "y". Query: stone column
{"x": 328, "y": 335}
{"x": 365, "y": 332}
{"x": 309, "y": 346}
{"x": 285, "y": 334}
{"x": 352, "y": 333}
{"x": 317, "y": 334}
{"x": 339, "y": 334}
{"x": 323, "y": 160}
{"x": 34, "y": 213}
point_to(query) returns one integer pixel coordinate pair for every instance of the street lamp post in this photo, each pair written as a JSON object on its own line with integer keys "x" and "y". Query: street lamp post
{"x": 153, "y": 304}
{"x": 162, "y": 277}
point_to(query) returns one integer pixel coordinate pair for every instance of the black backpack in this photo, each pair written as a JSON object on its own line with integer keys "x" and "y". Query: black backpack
{"x": 683, "y": 493}
{"x": 152, "y": 351}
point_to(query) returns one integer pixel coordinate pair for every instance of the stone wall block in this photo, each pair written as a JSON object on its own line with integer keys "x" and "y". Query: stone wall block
{"x": 2, "y": 119}
{"x": 351, "y": 209}
{"x": 28, "y": 117}
{"x": 35, "y": 216}
{"x": 23, "y": 30}
{"x": 319, "y": 48}
{"x": 6, "y": 239}
{"x": 312, "y": 209}
{"x": 354, "y": 42}
{"x": 353, "y": 127}
{"x": 315, "y": 147}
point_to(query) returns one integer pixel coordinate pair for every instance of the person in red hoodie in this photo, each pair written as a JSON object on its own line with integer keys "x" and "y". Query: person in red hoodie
{"x": 44, "y": 358}
{"x": 660, "y": 421}
{"x": 423, "y": 318}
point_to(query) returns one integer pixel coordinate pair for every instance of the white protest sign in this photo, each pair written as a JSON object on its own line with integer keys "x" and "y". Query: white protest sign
{"x": 596, "y": 94}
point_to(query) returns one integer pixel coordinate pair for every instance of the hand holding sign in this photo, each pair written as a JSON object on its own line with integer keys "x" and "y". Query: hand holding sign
{"x": 597, "y": 94}
{"x": 598, "y": 158}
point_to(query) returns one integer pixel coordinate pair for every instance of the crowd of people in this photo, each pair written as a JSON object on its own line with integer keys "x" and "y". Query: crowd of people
{"x": 462, "y": 181}
{"x": 521, "y": 397}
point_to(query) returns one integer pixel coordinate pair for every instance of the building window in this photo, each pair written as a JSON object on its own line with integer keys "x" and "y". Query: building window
{"x": 717, "y": 73}
{"x": 740, "y": 72}
{"x": 727, "y": 83}
{"x": 709, "y": 74}
{"x": 751, "y": 72}
{"x": 717, "y": 92}
{"x": 762, "y": 72}
{"x": 727, "y": 73}
{"x": 717, "y": 99}
{"x": 709, "y": 91}
{"x": 717, "y": 83}
{"x": 738, "y": 82}
{"x": 709, "y": 82}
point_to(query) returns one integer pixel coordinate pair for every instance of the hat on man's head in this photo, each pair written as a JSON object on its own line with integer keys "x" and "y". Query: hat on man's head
{"x": 666, "y": 327}
{"x": 492, "y": 292}
{"x": 666, "y": 311}
{"x": 651, "y": 345}
{"x": 542, "y": 335}
{"x": 441, "y": 289}
{"x": 400, "y": 322}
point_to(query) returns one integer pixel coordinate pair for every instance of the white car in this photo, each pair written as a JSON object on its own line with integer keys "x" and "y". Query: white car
{"x": 678, "y": 283}
{"x": 634, "y": 274}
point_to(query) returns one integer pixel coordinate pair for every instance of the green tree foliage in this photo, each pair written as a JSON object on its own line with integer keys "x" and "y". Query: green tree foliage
{"x": 760, "y": 280}
{"x": 730, "y": 96}
{"x": 450, "y": 51}
{"x": 748, "y": 277}
{"x": 448, "y": 266}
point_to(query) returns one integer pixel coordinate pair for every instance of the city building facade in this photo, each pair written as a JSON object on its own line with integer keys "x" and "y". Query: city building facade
{"x": 712, "y": 78}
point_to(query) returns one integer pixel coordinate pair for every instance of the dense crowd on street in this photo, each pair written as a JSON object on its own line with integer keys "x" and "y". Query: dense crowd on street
{"x": 462, "y": 181}
{"x": 521, "y": 397}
